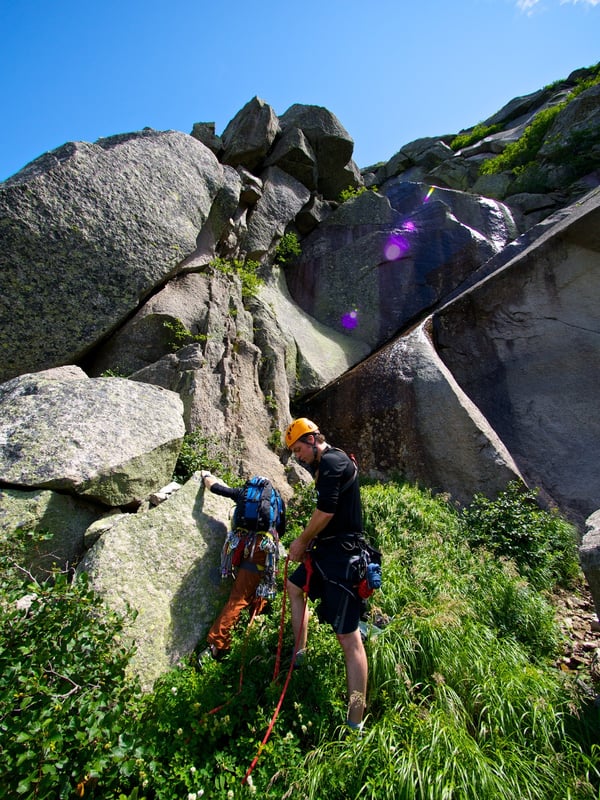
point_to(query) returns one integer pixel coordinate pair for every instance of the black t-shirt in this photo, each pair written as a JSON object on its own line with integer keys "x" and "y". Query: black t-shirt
{"x": 336, "y": 470}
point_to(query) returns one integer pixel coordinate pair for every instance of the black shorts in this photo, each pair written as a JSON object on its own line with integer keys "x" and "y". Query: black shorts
{"x": 339, "y": 606}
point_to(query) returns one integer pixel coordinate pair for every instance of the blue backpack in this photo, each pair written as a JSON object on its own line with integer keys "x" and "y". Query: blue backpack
{"x": 261, "y": 507}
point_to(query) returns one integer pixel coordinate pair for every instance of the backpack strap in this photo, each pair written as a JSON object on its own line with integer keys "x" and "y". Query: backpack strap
{"x": 351, "y": 480}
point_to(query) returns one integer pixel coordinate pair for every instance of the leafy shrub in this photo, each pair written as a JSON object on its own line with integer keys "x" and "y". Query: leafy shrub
{"x": 351, "y": 191}
{"x": 180, "y": 336}
{"x": 542, "y": 545}
{"x": 288, "y": 248}
{"x": 114, "y": 373}
{"x": 247, "y": 271}
{"x": 199, "y": 451}
{"x": 67, "y": 701}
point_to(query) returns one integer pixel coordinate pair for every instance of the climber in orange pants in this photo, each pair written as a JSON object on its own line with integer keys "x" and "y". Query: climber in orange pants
{"x": 242, "y": 595}
{"x": 251, "y": 556}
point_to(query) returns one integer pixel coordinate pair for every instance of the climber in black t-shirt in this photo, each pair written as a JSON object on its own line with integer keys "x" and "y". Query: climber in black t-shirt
{"x": 329, "y": 548}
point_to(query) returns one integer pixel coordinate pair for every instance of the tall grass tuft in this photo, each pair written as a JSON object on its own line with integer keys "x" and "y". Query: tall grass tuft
{"x": 464, "y": 700}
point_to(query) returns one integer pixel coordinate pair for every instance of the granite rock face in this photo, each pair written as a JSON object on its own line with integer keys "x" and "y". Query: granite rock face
{"x": 88, "y": 231}
{"x": 401, "y": 410}
{"x": 106, "y": 439}
{"x": 387, "y": 258}
{"x": 165, "y": 565}
{"x": 522, "y": 343}
{"x": 60, "y": 520}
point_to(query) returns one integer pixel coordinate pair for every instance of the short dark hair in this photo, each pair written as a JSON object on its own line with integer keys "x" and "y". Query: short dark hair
{"x": 318, "y": 437}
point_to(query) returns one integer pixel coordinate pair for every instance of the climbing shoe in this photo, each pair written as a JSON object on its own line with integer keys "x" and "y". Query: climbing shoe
{"x": 211, "y": 653}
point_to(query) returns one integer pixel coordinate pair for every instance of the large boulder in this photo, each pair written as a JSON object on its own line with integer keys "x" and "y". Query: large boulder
{"x": 163, "y": 564}
{"x": 294, "y": 155}
{"x": 250, "y": 134}
{"x": 281, "y": 200}
{"x": 402, "y": 412}
{"x": 523, "y": 343}
{"x": 218, "y": 224}
{"x": 49, "y": 526}
{"x": 107, "y": 439}
{"x": 379, "y": 262}
{"x": 87, "y": 231}
{"x": 205, "y": 133}
{"x": 331, "y": 144}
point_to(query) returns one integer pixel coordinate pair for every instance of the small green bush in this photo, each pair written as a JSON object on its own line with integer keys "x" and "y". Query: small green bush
{"x": 542, "y": 545}
{"x": 288, "y": 248}
{"x": 67, "y": 702}
{"x": 351, "y": 191}
{"x": 478, "y": 133}
{"x": 180, "y": 336}
{"x": 113, "y": 373}
{"x": 199, "y": 451}
{"x": 247, "y": 271}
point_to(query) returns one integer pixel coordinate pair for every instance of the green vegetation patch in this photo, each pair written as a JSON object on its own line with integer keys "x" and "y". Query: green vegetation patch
{"x": 351, "y": 191}
{"x": 464, "y": 699}
{"x": 288, "y": 248}
{"x": 246, "y": 271}
{"x": 575, "y": 154}
{"x": 202, "y": 451}
{"x": 478, "y": 133}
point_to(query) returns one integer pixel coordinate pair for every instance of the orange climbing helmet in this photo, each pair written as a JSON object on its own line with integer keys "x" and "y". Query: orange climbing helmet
{"x": 296, "y": 429}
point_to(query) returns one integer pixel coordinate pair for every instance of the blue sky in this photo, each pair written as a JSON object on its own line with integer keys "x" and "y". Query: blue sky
{"x": 391, "y": 70}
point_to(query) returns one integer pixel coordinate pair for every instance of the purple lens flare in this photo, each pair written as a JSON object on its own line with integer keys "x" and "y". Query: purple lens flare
{"x": 350, "y": 320}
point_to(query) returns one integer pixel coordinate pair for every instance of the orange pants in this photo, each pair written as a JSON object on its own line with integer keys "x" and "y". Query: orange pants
{"x": 241, "y": 596}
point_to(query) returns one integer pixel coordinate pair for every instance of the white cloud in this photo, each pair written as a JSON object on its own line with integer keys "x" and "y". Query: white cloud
{"x": 528, "y": 5}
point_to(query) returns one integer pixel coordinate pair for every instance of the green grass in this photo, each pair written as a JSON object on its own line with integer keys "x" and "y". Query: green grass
{"x": 464, "y": 700}
{"x": 478, "y": 133}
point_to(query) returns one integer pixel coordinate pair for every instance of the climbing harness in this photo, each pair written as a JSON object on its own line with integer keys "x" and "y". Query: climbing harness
{"x": 238, "y": 553}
